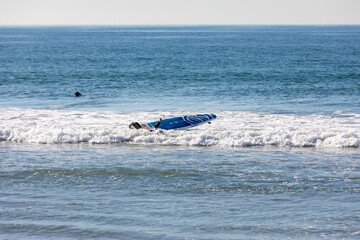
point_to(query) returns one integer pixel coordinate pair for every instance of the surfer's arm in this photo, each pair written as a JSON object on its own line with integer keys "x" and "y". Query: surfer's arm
{"x": 144, "y": 126}
{"x": 158, "y": 124}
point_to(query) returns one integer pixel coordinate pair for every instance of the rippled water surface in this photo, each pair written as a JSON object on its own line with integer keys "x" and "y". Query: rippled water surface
{"x": 296, "y": 69}
{"x": 281, "y": 161}
{"x": 134, "y": 192}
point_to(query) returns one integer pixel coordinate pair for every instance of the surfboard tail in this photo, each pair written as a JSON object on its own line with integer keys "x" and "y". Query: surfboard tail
{"x": 184, "y": 122}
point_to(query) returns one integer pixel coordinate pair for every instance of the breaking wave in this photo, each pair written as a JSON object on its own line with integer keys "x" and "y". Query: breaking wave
{"x": 230, "y": 129}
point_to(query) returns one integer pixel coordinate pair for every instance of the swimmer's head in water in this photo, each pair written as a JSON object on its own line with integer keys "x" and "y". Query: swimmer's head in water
{"x": 135, "y": 125}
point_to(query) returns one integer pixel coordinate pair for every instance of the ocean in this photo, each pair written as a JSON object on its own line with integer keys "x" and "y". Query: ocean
{"x": 281, "y": 161}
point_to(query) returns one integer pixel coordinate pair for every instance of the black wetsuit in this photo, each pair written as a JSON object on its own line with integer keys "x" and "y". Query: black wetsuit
{"x": 138, "y": 126}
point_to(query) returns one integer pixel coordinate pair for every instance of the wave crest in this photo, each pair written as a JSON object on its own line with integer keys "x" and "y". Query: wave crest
{"x": 230, "y": 129}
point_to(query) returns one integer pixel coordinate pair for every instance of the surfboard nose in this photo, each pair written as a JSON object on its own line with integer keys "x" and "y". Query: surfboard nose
{"x": 213, "y": 116}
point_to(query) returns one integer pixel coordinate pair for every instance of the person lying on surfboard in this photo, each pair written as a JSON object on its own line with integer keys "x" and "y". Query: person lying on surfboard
{"x": 137, "y": 125}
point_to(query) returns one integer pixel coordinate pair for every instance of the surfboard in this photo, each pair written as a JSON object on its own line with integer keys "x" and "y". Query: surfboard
{"x": 183, "y": 122}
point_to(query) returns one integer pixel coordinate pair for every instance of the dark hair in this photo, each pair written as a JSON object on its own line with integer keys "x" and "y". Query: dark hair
{"x": 136, "y": 125}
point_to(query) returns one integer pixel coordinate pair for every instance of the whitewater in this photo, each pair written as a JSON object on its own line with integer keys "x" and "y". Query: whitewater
{"x": 281, "y": 160}
{"x": 230, "y": 129}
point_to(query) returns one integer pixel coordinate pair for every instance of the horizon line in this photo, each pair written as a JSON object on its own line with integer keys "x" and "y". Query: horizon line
{"x": 183, "y": 24}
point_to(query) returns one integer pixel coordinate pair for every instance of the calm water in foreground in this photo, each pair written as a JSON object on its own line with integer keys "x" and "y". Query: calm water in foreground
{"x": 282, "y": 160}
{"x": 86, "y": 191}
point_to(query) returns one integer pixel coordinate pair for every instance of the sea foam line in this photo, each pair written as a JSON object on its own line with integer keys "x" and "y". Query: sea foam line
{"x": 230, "y": 129}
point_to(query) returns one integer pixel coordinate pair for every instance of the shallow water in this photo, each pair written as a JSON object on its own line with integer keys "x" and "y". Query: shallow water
{"x": 147, "y": 192}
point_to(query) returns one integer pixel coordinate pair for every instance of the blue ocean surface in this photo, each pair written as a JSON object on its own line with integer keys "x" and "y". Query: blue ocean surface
{"x": 294, "y": 69}
{"x": 281, "y": 161}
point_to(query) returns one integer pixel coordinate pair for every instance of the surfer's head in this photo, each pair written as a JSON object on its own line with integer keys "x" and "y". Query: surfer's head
{"x": 135, "y": 125}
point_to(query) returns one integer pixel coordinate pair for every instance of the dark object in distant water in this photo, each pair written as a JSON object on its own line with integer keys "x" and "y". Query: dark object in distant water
{"x": 77, "y": 94}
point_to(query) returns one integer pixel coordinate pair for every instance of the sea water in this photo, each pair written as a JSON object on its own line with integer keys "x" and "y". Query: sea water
{"x": 281, "y": 161}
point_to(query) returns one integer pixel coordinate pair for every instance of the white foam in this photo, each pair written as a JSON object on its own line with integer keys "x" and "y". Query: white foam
{"x": 230, "y": 129}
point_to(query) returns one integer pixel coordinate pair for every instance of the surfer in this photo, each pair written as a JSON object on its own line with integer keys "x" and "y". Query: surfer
{"x": 137, "y": 125}
{"x": 77, "y": 94}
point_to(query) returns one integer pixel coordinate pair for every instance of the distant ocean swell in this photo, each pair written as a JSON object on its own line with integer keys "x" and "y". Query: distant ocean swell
{"x": 230, "y": 129}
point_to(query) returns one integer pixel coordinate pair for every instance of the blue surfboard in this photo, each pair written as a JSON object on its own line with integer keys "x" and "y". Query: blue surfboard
{"x": 183, "y": 122}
